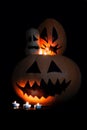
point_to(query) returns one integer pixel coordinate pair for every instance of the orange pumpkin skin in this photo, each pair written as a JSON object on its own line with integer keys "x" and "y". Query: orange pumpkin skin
{"x": 49, "y": 70}
{"x": 54, "y": 37}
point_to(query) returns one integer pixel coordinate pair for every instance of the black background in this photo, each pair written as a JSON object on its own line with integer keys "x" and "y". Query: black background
{"x": 16, "y": 18}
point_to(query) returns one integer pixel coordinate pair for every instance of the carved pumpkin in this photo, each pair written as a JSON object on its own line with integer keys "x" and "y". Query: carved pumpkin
{"x": 46, "y": 79}
{"x": 33, "y": 39}
{"x": 52, "y": 37}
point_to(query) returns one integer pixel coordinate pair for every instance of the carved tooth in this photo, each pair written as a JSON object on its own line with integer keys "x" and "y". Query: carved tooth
{"x": 38, "y": 83}
{"x": 46, "y": 96}
{"x": 43, "y": 84}
{"x": 63, "y": 82}
{"x": 27, "y": 85}
{"x": 68, "y": 82}
{"x": 35, "y": 85}
{"x": 26, "y": 94}
{"x": 57, "y": 83}
{"x": 31, "y": 83}
{"x": 51, "y": 89}
{"x": 58, "y": 87}
{"x": 63, "y": 85}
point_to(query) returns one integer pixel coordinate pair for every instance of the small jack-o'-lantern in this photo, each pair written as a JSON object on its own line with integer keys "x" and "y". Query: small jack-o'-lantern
{"x": 52, "y": 37}
{"x": 46, "y": 79}
{"x": 32, "y": 38}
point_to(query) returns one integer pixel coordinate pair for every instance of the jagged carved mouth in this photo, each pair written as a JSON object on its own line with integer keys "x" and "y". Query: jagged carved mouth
{"x": 44, "y": 89}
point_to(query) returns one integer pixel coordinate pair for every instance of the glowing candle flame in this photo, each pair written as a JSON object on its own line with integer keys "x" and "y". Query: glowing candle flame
{"x": 40, "y": 51}
{"x": 45, "y": 51}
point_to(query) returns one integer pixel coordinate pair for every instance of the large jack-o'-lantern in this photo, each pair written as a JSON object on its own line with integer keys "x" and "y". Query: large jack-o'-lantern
{"x": 52, "y": 37}
{"x": 46, "y": 79}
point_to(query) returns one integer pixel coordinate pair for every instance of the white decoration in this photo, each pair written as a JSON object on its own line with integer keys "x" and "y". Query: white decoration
{"x": 15, "y": 105}
{"x": 33, "y": 39}
{"x": 26, "y": 106}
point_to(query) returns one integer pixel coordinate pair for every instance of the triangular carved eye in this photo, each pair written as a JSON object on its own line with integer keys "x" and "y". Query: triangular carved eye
{"x": 34, "y": 38}
{"x": 53, "y": 67}
{"x": 43, "y": 35}
{"x": 54, "y": 35}
{"x": 34, "y": 68}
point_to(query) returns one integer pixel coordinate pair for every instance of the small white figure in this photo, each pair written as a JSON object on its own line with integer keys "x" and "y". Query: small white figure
{"x": 26, "y": 106}
{"x": 37, "y": 106}
{"x": 15, "y": 105}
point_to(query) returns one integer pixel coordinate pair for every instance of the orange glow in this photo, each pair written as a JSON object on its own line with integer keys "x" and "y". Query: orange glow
{"x": 34, "y": 100}
{"x": 46, "y": 51}
{"x": 31, "y": 82}
{"x": 55, "y": 35}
